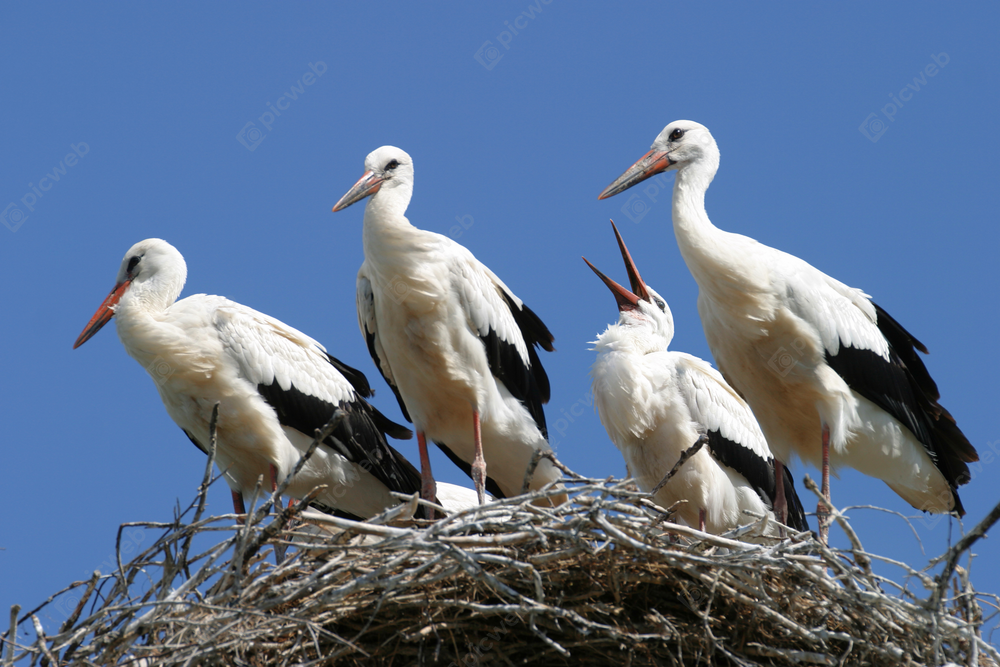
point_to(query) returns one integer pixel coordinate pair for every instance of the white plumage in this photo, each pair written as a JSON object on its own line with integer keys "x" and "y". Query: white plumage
{"x": 275, "y": 386}
{"x": 826, "y": 371}
{"x": 455, "y": 344}
{"x": 655, "y": 404}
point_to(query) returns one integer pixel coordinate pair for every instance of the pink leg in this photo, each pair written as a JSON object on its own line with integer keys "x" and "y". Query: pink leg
{"x": 428, "y": 489}
{"x": 274, "y": 477}
{"x": 274, "y": 483}
{"x": 821, "y": 514}
{"x": 238, "y": 505}
{"x": 780, "y": 504}
{"x": 478, "y": 462}
{"x": 701, "y": 519}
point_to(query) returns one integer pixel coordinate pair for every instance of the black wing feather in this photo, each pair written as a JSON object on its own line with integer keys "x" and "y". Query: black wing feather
{"x": 903, "y": 388}
{"x": 370, "y": 339}
{"x": 759, "y": 472}
{"x": 196, "y": 443}
{"x": 527, "y": 383}
{"x": 358, "y": 438}
{"x": 352, "y": 375}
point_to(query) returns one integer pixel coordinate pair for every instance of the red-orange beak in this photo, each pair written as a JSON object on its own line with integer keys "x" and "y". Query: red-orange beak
{"x": 627, "y": 300}
{"x": 367, "y": 185}
{"x": 650, "y": 164}
{"x": 103, "y": 314}
{"x": 638, "y": 286}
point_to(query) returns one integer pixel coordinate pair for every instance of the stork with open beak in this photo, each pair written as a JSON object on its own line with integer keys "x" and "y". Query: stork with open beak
{"x": 830, "y": 375}
{"x": 655, "y": 404}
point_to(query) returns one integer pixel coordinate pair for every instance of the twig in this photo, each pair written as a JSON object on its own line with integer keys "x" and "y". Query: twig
{"x": 952, "y": 555}
{"x": 681, "y": 460}
{"x": 536, "y": 458}
{"x": 11, "y": 640}
{"x": 859, "y": 552}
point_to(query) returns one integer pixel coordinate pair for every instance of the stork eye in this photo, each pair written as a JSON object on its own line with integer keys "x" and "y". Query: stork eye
{"x": 132, "y": 263}
{"x": 392, "y": 165}
{"x": 659, "y": 304}
{"x": 676, "y": 134}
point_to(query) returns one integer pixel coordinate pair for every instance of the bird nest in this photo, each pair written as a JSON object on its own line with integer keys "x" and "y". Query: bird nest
{"x": 605, "y": 577}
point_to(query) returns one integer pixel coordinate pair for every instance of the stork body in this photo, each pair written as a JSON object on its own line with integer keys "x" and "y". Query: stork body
{"x": 655, "y": 404}
{"x": 830, "y": 376}
{"x": 274, "y": 386}
{"x": 454, "y": 343}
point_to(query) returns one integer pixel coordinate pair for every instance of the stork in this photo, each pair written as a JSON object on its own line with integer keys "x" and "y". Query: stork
{"x": 275, "y": 386}
{"x": 451, "y": 339}
{"x": 655, "y": 404}
{"x": 829, "y": 374}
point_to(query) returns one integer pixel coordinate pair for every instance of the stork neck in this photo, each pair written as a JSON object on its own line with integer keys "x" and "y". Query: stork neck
{"x": 387, "y": 207}
{"x": 691, "y": 223}
{"x": 630, "y": 339}
{"x": 386, "y": 229}
{"x": 715, "y": 258}
{"x": 140, "y": 315}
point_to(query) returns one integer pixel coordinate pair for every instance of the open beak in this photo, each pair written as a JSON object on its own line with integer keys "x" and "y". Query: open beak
{"x": 627, "y": 300}
{"x": 367, "y": 185}
{"x": 650, "y": 164}
{"x": 103, "y": 314}
{"x": 638, "y": 286}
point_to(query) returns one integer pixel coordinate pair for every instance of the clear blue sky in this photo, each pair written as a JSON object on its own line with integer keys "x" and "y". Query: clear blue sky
{"x": 513, "y": 136}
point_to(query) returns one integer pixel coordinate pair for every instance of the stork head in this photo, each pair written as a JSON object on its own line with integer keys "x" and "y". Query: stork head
{"x": 681, "y": 144}
{"x": 387, "y": 169}
{"x": 641, "y": 309}
{"x": 152, "y": 271}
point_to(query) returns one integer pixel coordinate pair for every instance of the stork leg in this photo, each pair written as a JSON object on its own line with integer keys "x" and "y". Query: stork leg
{"x": 701, "y": 519}
{"x": 822, "y": 514}
{"x": 780, "y": 504}
{"x": 238, "y": 507}
{"x": 428, "y": 489}
{"x": 478, "y": 462}
{"x": 274, "y": 482}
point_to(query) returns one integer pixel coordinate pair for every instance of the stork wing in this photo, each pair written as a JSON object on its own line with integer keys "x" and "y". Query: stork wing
{"x": 878, "y": 359}
{"x": 509, "y": 330}
{"x": 369, "y": 329}
{"x": 734, "y": 436}
{"x": 304, "y": 385}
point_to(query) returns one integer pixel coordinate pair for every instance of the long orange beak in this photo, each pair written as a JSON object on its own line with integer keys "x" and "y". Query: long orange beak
{"x": 367, "y": 185}
{"x": 650, "y": 164}
{"x": 627, "y": 300}
{"x": 103, "y": 314}
{"x": 638, "y": 285}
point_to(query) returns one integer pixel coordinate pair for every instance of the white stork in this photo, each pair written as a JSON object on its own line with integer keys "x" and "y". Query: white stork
{"x": 454, "y": 343}
{"x": 828, "y": 373}
{"x": 275, "y": 387}
{"x": 655, "y": 404}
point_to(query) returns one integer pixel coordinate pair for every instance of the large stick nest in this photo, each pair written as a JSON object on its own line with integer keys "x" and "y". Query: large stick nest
{"x": 606, "y": 577}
